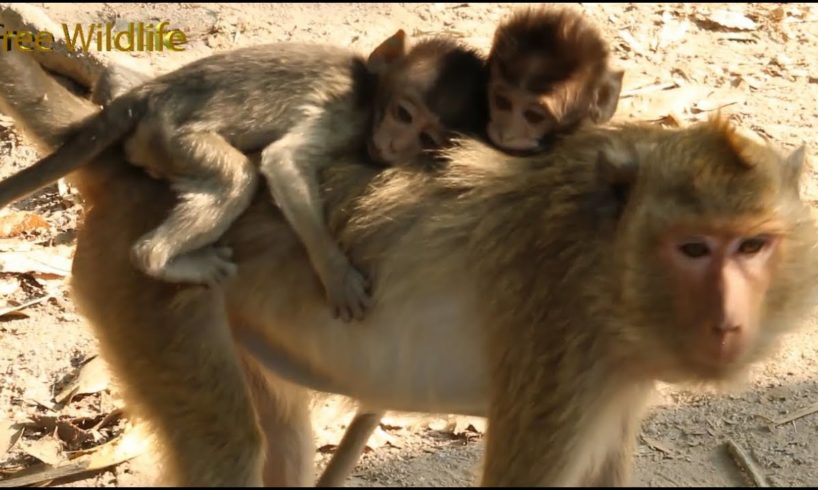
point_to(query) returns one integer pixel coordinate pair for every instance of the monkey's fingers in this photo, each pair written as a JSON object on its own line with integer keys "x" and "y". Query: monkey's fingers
{"x": 358, "y": 294}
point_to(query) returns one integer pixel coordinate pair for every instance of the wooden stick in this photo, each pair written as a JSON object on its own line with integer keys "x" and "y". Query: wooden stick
{"x": 745, "y": 463}
{"x": 798, "y": 414}
{"x": 13, "y": 309}
{"x": 654, "y": 87}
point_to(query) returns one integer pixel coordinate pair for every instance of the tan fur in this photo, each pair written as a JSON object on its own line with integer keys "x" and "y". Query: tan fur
{"x": 509, "y": 287}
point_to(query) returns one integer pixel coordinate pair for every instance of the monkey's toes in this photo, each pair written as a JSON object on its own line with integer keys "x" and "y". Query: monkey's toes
{"x": 358, "y": 299}
{"x": 219, "y": 272}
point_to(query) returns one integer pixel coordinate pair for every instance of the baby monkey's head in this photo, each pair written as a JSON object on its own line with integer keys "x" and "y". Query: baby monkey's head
{"x": 426, "y": 94}
{"x": 548, "y": 73}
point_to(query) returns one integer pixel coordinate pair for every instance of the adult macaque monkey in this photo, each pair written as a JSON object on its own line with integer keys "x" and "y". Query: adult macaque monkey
{"x": 549, "y": 73}
{"x": 300, "y": 105}
{"x": 546, "y": 293}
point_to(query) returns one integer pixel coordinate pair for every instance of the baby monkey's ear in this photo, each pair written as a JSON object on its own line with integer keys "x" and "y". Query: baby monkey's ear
{"x": 388, "y": 53}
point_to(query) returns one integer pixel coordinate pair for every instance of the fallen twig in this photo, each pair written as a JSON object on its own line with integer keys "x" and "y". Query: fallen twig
{"x": 745, "y": 463}
{"x": 654, "y": 87}
{"x": 14, "y": 309}
{"x": 447, "y": 32}
{"x": 797, "y": 414}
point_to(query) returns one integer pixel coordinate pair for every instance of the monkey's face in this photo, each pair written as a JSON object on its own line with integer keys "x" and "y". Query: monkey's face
{"x": 404, "y": 130}
{"x": 721, "y": 254}
{"x": 518, "y": 120}
{"x": 524, "y": 115}
{"x": 719, "y": 279}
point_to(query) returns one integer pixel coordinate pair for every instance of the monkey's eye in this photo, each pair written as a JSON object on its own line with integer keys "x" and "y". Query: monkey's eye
{"x": 752, "y": 245}
{"x": 534, "y": 117}
{"x": 426, "y": 141}
{"x": 403, "y": 115}
{"x": 694, "y": 250}
{"x": 502, "y": 103}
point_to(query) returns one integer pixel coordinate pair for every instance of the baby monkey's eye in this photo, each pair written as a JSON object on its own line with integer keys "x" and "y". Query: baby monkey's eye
{"x": 502, "y": 103}
{"x": 694, "y": 250}
{"x": 403, "y": 115}
{"x": 752, "y": 245}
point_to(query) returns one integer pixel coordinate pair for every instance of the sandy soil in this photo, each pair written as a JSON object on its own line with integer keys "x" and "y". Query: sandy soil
{"x": 757, "y": 61}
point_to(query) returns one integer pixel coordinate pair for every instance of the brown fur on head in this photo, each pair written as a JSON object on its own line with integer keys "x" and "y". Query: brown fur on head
{"x": 711, "y": 249}
{"x": 426, "y": 94}
{"x": 549, "y": 72}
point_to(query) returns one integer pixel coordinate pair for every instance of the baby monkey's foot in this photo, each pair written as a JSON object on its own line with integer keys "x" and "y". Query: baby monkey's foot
{"x": 211, "y": 265}
{"x": 347, "y": 290}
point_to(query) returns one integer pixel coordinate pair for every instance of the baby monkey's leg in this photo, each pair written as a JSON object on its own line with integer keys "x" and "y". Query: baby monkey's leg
{"x": 290, "y": 166}
{"x": 215, "y": 183}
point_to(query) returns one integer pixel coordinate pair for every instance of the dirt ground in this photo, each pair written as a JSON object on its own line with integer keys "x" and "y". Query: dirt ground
{"x": 756, "y": 62}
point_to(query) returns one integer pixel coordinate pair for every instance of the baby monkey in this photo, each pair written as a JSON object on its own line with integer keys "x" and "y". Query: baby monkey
{"x": 548, "y": 73}
{"x": 300, "y": 106}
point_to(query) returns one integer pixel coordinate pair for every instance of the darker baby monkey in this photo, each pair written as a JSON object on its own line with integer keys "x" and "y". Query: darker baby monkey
{"x": 549, "y": 71}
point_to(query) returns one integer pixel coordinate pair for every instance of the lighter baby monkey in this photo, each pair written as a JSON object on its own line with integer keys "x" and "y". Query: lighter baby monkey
{"x": 298, "y": 105}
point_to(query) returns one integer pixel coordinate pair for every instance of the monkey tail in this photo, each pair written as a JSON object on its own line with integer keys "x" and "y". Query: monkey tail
{"x": 92, "y": 136}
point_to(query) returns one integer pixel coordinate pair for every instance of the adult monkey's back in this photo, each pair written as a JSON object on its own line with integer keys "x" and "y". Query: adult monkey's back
{"x": 548, "y": 291}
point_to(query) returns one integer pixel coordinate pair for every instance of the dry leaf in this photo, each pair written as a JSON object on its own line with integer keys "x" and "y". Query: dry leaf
{"x": 327, "y": 448}
{"x": 472, "y": 424}
{"x": 47, "y": 449}
{"x": 74, "y": 431}
{"x": 9, "y": 435}
{"x": 16, "y": 223}
{"x": 38, "y": 262}
{"x": 672, "y": 120}
{"x": 93, "y": 377}
{"x": 731, "y": 20}
{"x": 130, "y": 444}
{"x": 380, "y": 438}
{"x": 37, "y": 392}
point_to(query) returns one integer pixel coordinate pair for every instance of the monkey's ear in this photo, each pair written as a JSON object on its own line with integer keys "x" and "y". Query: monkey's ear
{"x": 389, "y": 51}
{"x": 794, "y": 167}
{"x": 607, "y": 96}
{"x": 617, "y": 168}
